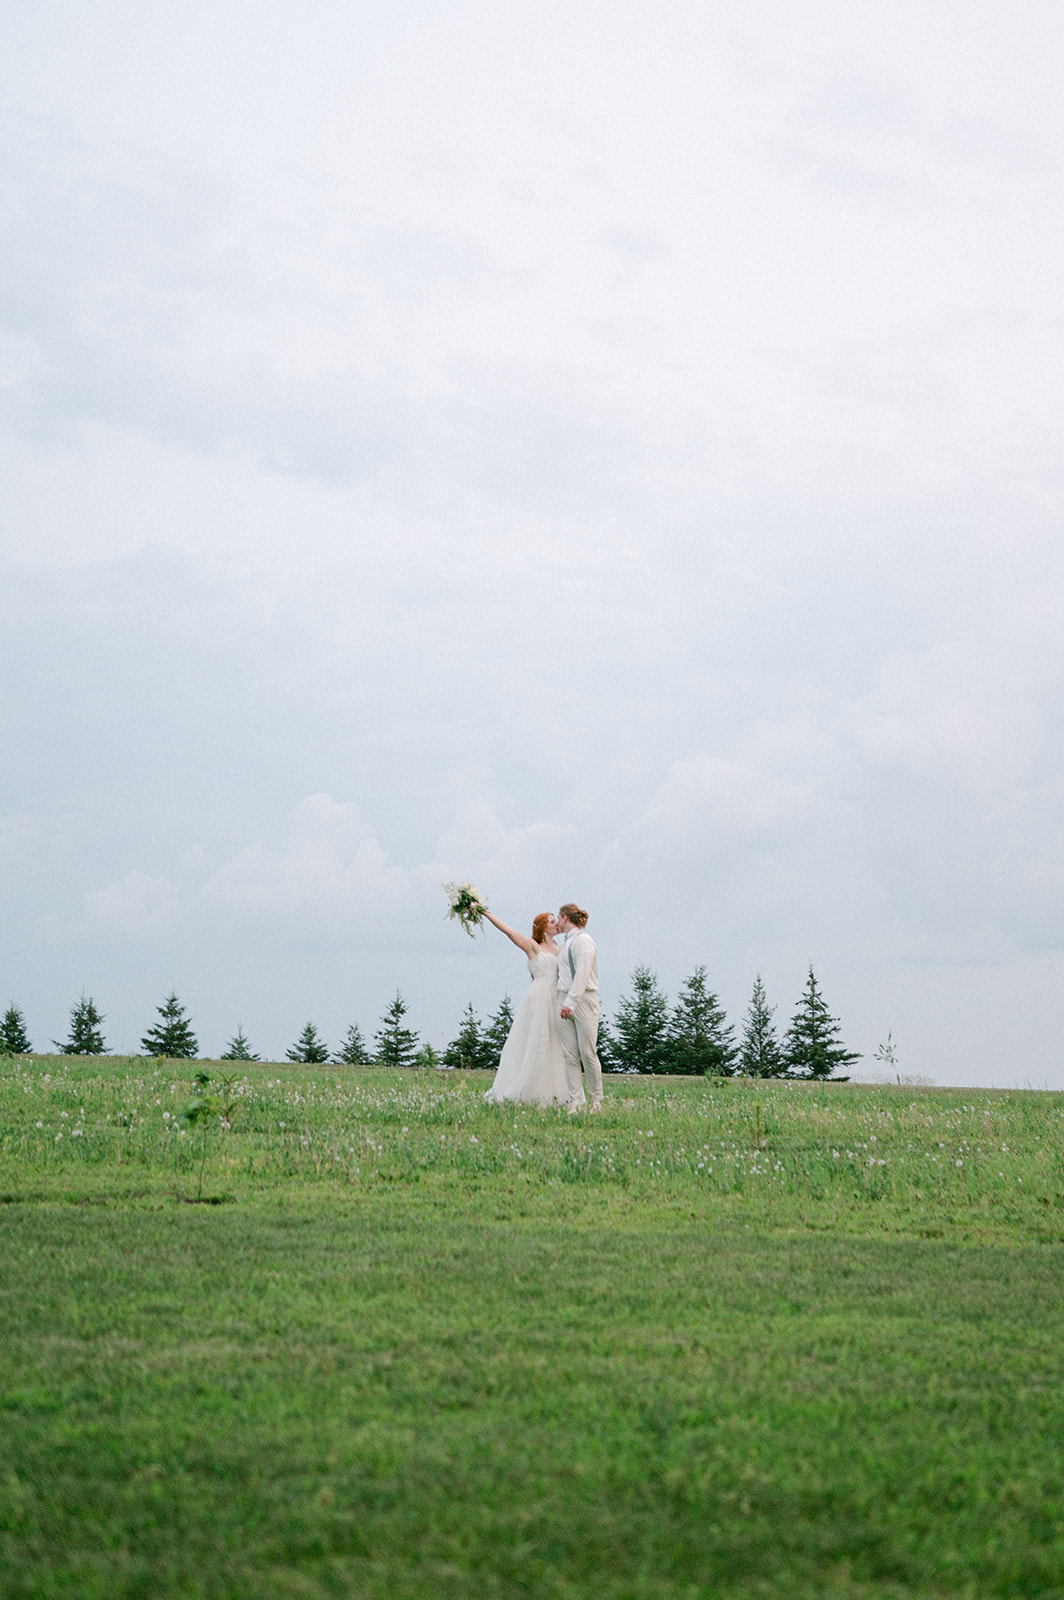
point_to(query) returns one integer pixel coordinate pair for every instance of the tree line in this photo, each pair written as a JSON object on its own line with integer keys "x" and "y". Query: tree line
{"x": 692, "y": 1037}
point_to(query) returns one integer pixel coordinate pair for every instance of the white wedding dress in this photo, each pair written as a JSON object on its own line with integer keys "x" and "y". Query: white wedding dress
{"x": 532, "y": 1064}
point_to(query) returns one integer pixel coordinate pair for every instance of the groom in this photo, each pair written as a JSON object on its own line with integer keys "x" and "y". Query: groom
{"x": 578, "y": 1007}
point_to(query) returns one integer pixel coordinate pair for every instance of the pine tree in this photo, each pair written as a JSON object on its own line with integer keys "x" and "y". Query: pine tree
{"x": 495, "y": 1034}
{"x": 14, "y": 1040}
{"x": 354, "y": 1051}
{"x": 427, "y": 1059}
{"x": 238, "y": 1049}
{"x": 760, "y": 1055}
{"x": 470, "y": 1048}
{"x": 607, "y": 1048}
{"x": 396, "y": 1045}
{"x": 700, "y": 1038}
{"x": 86, "y": 1030}
{"x": 641, "y": 1027}
{"x": 812, "y": 1046}
{"x": 173, "y": 1036}
{"x": 308, "y": 1047}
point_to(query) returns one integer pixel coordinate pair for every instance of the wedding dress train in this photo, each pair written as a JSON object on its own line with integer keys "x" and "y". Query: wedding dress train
{"x": 532, "y": 1065}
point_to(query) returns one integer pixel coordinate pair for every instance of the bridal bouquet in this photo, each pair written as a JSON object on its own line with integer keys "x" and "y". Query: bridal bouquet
{"x": 466, "y": 904}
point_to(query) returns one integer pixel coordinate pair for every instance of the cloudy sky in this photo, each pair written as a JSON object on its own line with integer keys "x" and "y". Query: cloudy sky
{"x": 607, "y": 452}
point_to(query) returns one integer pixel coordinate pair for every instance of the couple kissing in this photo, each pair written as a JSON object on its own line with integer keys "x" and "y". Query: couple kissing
{"x": 551, "y": 1052}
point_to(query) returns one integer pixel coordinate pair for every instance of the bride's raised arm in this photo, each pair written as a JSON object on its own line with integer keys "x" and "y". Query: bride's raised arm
{"x": 529, "y": 946}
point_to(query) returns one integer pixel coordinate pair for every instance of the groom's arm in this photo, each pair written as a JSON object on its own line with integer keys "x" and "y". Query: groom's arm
{"x": 582, "y": 950}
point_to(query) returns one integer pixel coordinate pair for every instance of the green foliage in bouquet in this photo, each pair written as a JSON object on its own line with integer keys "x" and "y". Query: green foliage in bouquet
{"x": 467, "y": 905}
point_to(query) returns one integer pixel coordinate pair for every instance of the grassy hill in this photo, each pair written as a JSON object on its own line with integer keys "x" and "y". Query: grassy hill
{"x": 725, "y": 1340}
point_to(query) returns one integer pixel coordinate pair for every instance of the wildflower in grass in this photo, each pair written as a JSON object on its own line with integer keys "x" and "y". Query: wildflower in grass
{"x": 198, "y": 1111}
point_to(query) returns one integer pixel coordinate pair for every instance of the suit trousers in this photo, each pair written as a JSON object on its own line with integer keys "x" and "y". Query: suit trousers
{"x": 580, "y": 1044}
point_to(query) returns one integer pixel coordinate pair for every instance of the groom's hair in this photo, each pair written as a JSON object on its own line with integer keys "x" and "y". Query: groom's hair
{"x": 577, "y": 917}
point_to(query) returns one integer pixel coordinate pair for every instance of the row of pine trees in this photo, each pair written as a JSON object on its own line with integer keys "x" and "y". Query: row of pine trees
{"x": 693, "y": 1037}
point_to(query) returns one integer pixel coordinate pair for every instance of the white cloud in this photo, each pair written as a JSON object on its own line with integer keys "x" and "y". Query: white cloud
{"x": 331, "y": 882}
{"x": 954, "y": 710}
{"x": 137, "y": 904}
{"x": 709, "y": 808}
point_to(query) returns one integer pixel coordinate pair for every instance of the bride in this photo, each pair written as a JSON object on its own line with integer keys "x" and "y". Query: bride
{"x": 532, "y": 1065}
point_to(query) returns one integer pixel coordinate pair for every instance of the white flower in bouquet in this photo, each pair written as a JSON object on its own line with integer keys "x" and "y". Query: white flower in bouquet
{"x": 467, "y": 904}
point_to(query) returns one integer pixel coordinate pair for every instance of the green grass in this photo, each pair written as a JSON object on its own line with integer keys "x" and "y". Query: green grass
{"x": 727, "y": 1340}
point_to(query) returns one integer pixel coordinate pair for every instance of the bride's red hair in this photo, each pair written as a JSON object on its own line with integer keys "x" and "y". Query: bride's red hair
{"x": 539, "y": 927}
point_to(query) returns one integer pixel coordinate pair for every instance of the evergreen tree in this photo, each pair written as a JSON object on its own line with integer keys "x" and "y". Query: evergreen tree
{"x": 173, "y": 1036}
{"x": 470, "y": 1048}
{"x": 496, "y": 1031}
{"x": 701, "y": 1040}
{"x": 308, "y": 1047}
{"x": 14, "y": 1040}
{"x": 238, "y": 1049}
{"x": 812, "y": 1046}
{"x": 396, "y": 1044}
{"x": 354, "y": 1051}
{"x": 760, "y": 1055}
{"x": 607, "y": 1048}
{"x": 640, "y": 1041}
{"x": 427, "y": 1059}
{"x": 86, "y": 1030}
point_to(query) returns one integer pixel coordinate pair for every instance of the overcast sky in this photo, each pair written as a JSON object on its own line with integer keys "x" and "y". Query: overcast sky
{"x": 607, "y": 452}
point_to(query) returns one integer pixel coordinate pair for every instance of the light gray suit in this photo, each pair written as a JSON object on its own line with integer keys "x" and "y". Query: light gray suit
{"x": 578, "y": 989}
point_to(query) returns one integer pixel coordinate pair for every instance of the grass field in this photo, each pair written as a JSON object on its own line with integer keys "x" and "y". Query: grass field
{"x": 725, "y": 1340}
